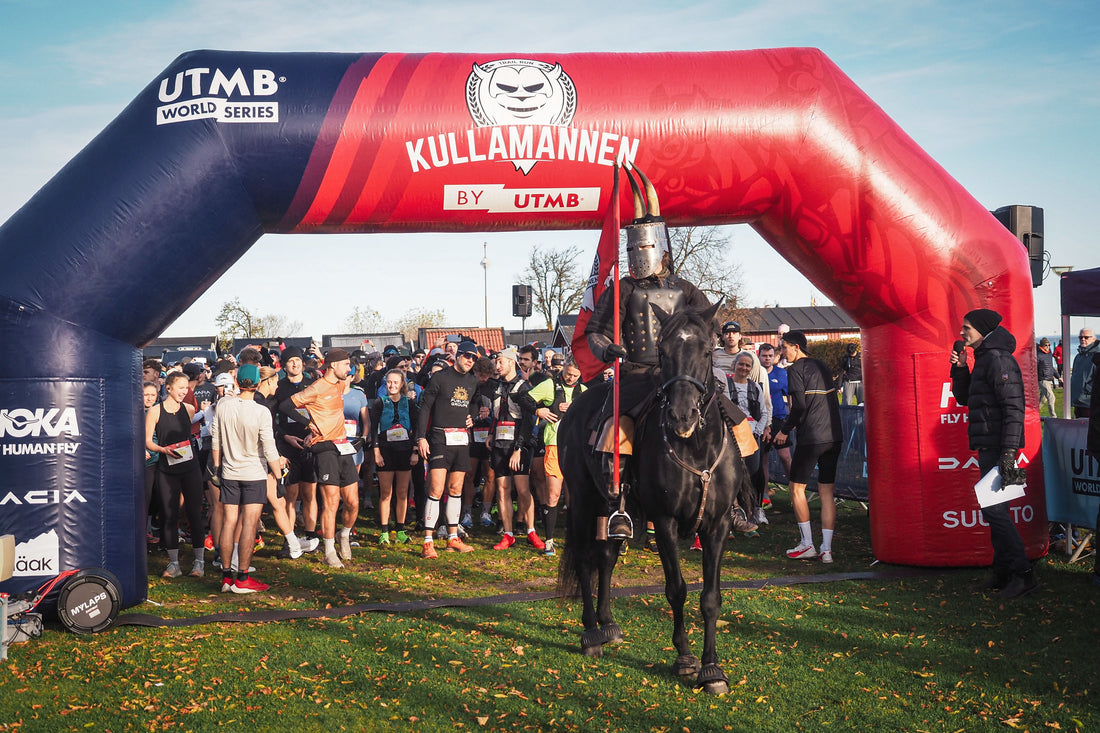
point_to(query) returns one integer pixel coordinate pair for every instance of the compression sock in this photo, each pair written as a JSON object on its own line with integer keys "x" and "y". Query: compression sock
{"x": 330, "y": 546}
{"x": 826, "y": 540}
{"x": 807, "y": 535}
{"x": 431, "y": 517}
{"x": 345, "y": 532}
{"x": 454, "y": 510}
{"x": 173, "y": 556}
{"x": 200, "y": 554}
{"x": 550, "y": 521}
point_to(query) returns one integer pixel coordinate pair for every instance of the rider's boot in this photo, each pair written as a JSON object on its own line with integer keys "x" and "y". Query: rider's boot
{"x": 619, "y": 524}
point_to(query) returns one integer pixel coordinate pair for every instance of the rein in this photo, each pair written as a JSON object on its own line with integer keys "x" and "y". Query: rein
{"x": 704, "y": 475}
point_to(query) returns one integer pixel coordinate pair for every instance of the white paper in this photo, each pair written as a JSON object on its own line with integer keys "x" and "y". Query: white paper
{"x": 989, "y": 491}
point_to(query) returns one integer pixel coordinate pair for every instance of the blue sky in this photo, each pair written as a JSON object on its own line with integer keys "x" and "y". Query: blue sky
{"x": 1004, "y": 95}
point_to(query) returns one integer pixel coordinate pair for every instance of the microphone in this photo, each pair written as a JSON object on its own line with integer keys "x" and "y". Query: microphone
{"x": 960, "y": 346}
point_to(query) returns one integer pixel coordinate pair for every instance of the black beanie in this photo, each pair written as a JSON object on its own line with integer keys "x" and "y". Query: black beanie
{"x": 983, "y": 320}
{"x": 289, "y": 353}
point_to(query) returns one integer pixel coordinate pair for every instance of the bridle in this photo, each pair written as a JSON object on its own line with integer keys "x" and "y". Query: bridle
{"x": 705, "y": 402}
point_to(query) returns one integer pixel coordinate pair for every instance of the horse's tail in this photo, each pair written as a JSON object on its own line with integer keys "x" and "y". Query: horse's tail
{"x": 569, "y": 584}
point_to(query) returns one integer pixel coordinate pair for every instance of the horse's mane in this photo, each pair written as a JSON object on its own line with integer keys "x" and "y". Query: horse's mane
{"x": 685, "y": 317}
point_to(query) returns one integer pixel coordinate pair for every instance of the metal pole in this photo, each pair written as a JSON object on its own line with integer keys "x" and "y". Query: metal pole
{"x": 485, "y": 267}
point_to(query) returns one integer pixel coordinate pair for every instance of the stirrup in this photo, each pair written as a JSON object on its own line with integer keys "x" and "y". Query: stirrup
{"x": 620, "y": 526}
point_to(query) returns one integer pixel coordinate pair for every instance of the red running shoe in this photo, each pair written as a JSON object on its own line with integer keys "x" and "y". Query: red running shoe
{"x": 249, "y": 585}
{"x": 534, "y": 541}
{"x": 208, "y": 543}
{"x": 697, "y": 546}
{"x": 505, "y": 542}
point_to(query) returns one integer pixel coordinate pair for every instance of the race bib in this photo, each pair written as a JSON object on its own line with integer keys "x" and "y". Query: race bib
{"x": 184, "y": 449}
{"x": 456, "y": 436}
{"x": 344, "y": 448}
{"x": 506, "y": 431}
{"x": 481, "y": 435}
{"x": 351, "y": 428}
{"x": 397, "y": 434}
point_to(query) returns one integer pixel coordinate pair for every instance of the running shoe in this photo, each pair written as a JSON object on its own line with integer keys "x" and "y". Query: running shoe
{"x": 505, "y": 542}
{"x": 384, "y": 538}
{"x": 486, "y": 520}
{"x": 761, "y": 518}
{"x": 172, "y": 571}
{"x": 402, "y": 538}
{"x": 227, "y": 584}
{"x": 249, "y": 585}
{"x": 332, "y": 560}
{"x": 802, "y": 552}
{"x": 467, "y": 521}
{"x": 259, "y": 543}
{"x": 697, "y": 546}
{"x": 827, "y": 556}
{"x": 457, "y": 545}
{"x": 345, "y": 547}
{"x": 549, "y": 550}
{"x": 208, "y": 543}
{"x": 309, "y": 544}
{"x": 534, "y": 540}
{"x": 650, "y": 543}
{"x": 197, "y": 569}
{"x": 429, "y": 550}
{"x": 767, "y": 503}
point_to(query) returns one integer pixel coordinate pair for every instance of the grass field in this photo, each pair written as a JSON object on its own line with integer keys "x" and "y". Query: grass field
{"x": 917, "y": 653}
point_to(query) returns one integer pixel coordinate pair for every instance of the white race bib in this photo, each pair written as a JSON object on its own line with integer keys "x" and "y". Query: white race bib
{"x": 397, "y": 434}
{"x": 184, "y": 450}
{"x": 344, "y": 448}
{"x": 481, "y": 435}
{"x": 506, "y": 431}
{"x": 456, "y": 436}
{"x": 351, "y": 428}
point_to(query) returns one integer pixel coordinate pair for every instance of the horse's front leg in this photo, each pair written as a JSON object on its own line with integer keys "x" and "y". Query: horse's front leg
{"x": 686, "y": 663}
{"x": 711, "y": 677}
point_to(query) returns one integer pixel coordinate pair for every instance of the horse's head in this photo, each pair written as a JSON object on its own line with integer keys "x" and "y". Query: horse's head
{"x": 685, "y": 347}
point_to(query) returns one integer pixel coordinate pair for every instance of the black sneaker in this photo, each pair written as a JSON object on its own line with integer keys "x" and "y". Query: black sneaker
{"x": 1019, "y": 585}
{"x": 994, "y": 582}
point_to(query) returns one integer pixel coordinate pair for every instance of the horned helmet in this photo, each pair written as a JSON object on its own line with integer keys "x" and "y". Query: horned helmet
{"x": 647, "y": 236}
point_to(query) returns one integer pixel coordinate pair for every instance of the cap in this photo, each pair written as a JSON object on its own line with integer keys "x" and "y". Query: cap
{"x": 509, "y": 353}
{"x": 335, "y": 355}
{"x": 797, "y": 338}
{"x": 192, "y": 369}
{"x": 248, "y": 375}
{"x": 225, "y": 379}
{"x": 468, "y": 348}
{"x": 557, "y": 361}
{"x": 389, "y": 350}
{"x": 731, "y": 327}
{"x": 290, "y": 352}
{"x": 1044, "y": 341}
{"x": 983, "y": 320}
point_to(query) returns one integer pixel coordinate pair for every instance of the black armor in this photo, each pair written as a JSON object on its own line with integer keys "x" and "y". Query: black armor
{"x": 640, "y": 326}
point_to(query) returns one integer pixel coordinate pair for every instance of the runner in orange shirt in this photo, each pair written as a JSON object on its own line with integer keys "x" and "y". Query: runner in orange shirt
{"x": 333, "y": 452}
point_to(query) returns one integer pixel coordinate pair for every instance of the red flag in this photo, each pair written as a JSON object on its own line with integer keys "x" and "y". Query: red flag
{"x": 607, "y": 252}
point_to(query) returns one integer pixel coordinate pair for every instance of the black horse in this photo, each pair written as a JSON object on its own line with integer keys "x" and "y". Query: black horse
{"x": 688, "y": 470}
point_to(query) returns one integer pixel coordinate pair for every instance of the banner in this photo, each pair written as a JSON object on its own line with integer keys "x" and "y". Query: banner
{"x": 1072, "y": 476}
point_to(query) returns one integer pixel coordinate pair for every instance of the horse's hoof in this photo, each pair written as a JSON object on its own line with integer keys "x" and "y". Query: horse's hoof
{"x": 592, "y": 651}
{"x": 716, "y": 688}
{"x": 609, "y": 634}
{"x": 713, "y": 680}
{"x": 685, "y": 665}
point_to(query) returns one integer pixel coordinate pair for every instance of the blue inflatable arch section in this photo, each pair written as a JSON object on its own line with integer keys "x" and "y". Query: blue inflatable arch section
{"x": 225, "y": 146}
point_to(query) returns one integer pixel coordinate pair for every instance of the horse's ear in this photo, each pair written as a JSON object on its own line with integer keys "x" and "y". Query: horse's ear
{"x": 711, "y": 312}
{"x": 661, "y": 315}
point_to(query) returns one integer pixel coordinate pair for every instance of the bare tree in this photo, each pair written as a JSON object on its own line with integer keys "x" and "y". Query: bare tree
{"x": 365, "y": 320}
{"x": 411, "y": 321}
{"x": 234, "y": 320}
{"x": 556, "y": 280}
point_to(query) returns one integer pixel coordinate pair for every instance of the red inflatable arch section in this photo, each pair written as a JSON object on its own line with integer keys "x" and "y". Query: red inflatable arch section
{"x": 225, "y": 146}
{"x": 779, "y": 139}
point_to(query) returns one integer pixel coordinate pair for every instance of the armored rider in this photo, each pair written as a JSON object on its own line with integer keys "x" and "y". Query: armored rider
{"x": 650, "y": 282}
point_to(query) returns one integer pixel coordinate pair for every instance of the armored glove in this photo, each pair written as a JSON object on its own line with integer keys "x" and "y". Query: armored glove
{"x": 614, "y": 351}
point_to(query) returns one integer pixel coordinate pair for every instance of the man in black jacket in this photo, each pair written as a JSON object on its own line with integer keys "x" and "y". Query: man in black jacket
{"x": 994, "y": 392}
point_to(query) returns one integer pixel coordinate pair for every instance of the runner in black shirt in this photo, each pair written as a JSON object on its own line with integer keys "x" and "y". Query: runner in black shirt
{"x": 301, "y": 481}
{"x": 815, "y": 412}
{"x": 443, "y": 440}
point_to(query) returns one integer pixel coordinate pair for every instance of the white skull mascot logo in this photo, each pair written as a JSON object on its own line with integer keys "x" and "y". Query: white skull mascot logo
{"x": 520, "y": 92}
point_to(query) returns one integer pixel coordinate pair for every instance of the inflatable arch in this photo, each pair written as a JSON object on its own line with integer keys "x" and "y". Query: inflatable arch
{"x": 224, "y": 147}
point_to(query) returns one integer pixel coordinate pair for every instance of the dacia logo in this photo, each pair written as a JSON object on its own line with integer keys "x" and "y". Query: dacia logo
{"x": 23, "y": 423}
